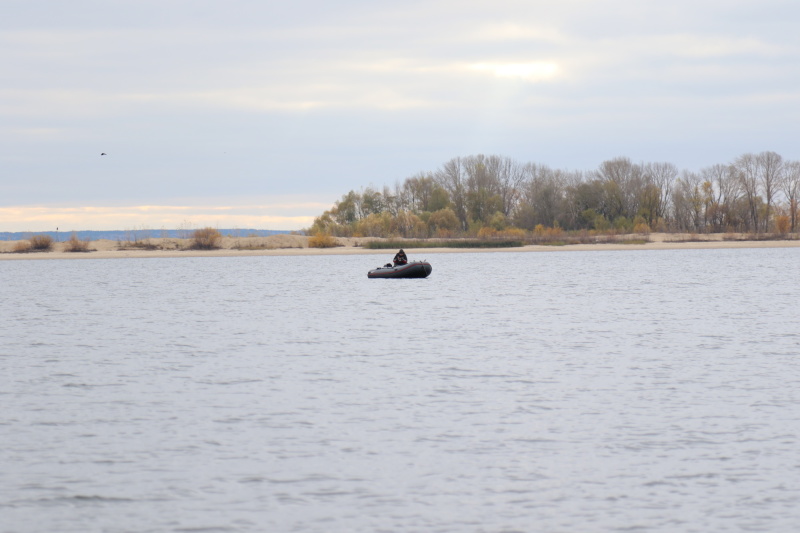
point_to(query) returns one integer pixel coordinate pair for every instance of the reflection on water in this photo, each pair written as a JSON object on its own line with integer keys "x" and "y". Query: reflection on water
{"x": 507, "y": 392}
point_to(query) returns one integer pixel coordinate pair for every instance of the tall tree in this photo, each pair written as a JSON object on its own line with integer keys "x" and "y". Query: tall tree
{"x": 347, "y": 209}
{"x": 418, "y": 192}
{"x": 585, "y": 203}
{"x": 791, "y": 188}
{"x": 542, "y": 197}
{"x": 371, "y": 202}
{"x": 658, "y": 180}
{"x": 483, "y": 199}
{"x": 452, "y": 178}
{"x": 748, "y": 176}
{"x": 770, "y": 169}
{"x": 509, "y": 175}
{"x": 723, "y": 192}
{"x": 623, "y": 184}
{"x": 688, "y": 202}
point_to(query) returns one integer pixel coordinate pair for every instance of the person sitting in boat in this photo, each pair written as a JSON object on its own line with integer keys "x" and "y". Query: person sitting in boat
{"x": 400, "y": 258}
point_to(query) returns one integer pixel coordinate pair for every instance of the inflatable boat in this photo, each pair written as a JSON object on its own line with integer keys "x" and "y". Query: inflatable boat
{"x": 412, "y": 269}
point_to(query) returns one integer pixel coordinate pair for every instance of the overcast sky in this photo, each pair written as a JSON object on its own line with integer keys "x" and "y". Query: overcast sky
{"x": 260, "y": 114}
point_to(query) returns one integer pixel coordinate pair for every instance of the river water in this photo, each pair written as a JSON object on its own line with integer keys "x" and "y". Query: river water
{"x": 558, "y": 391}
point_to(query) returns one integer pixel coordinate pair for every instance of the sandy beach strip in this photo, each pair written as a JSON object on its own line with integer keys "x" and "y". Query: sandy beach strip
{"x": 296, "y": 245}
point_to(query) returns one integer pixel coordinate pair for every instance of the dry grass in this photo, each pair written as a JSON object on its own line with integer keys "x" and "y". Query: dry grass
{"x": 238, "y": 245}
{"x": 166, "y": 244}
{"x": 690, "y": 237}
{"x": 22, "y": 247}
{"x": 623, "y": 239}
{"x": 206, "y": 239}
{"x": 761, "y": 237}
{"x": 323, "y": 240}
{"x": 137, "y": 245}
{"x": 255, "y": 243}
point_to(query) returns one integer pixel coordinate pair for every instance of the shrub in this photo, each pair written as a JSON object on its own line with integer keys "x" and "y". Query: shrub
{"x": 22, "y": 247}
{"x": 206, "y": 239}
{"x": 420, "y": 229}
{"x": 513, "y": 233}
{"x": 443, "y": 221}
{"x": 474, "y": 227}
{"x": 498, "y": 221}
{"x": 373, "y": 225}
{"x": 322, "y": 240}
{"x": 543, "y": 235}
{"x": 622, "y": 224}
{"x": 74, "y": 244}
{"x": 403, "y": 224}
{"x": 41, "y": 243}
{"x": 782, "y": 224}
{"x": 487, "y": 232}
{"x": 601, "y": 223}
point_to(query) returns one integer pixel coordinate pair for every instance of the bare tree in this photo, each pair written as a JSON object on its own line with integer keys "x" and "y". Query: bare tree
{"x": 730, "y": 193}
{"x": 348, "y": 209}
{"x": 483, "y": 198}
{"x": 748, "y": 176}
{"x": 722, "y": 194}
{"x": 687, "y": 202}
{"x": 452, "y": 178}
{"x": 417, "y": 192}
{"x": 371, "y": 202}
{"x": 770, "y": 169}
{"x": 510, "y": 175}
{"x": 791, "y": 188}
{"x": 542, "y": 197}
{"x": 623, "y": 185}
{"x": 479, "y": 190}
{"x": 658, "y": 179}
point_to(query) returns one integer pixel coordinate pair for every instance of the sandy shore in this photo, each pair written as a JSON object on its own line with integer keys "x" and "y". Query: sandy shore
{"x": 298, "y": 245}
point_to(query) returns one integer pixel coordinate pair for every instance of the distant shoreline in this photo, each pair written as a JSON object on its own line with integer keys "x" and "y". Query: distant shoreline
{"x": 116, "y": 235}
{"x": 297, "y": 245}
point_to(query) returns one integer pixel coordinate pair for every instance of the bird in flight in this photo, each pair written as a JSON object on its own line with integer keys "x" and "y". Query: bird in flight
{"x": 104, "y": 153}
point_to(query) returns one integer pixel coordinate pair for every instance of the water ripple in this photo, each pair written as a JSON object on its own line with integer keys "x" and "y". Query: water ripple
{"x": 582, "y": 391}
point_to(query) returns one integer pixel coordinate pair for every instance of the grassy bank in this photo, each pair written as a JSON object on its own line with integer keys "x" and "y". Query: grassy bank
{"x": 388, "y": 245}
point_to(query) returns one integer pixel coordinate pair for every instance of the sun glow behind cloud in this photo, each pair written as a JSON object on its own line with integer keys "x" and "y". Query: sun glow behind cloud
{"x": 534, "y": 72}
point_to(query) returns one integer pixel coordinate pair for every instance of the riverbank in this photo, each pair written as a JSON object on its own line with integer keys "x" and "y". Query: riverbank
{"x": 278, "y": 245}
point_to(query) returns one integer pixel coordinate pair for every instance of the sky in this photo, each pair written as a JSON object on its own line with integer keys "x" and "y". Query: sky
{"x": 261, "y": 114}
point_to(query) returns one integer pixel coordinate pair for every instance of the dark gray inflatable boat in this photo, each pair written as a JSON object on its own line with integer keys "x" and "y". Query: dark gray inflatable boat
{"x": 412, "y": 269}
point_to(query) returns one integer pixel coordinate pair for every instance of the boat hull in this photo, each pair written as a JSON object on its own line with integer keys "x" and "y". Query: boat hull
{"x": 414, "y": 269}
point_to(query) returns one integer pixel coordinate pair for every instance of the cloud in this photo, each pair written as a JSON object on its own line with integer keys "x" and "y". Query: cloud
{"x": 274, "y": 98}
{"x": 381, "y": 58}
{"x": 509, "y": 31}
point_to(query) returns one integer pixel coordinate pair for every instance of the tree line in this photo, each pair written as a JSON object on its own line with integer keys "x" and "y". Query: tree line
{"x": 479, "y": 194}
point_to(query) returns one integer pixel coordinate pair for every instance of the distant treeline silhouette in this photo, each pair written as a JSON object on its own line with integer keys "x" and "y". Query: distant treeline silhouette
{"x": 480, "y": 195}
{"x": 134, "y": 234}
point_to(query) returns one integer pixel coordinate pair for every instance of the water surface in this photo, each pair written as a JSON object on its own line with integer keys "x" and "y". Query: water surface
{"x": 580, "y": 391}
